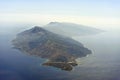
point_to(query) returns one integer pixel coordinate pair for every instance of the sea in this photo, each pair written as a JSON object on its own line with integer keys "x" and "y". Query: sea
{"x": 102, "y": 64}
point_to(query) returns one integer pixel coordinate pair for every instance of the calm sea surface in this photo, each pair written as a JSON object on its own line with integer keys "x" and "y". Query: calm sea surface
{"x": 102, "y": 64}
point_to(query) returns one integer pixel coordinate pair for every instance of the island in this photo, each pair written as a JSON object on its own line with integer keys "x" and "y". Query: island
{"x": 71, "y": 29}
{"x": 60, "y": 51}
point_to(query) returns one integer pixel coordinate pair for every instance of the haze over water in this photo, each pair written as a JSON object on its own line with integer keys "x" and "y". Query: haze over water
{"x": 102, "y": 64}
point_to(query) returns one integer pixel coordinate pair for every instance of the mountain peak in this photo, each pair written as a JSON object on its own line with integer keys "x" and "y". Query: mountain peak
{"x": 71, "y": 29}
{"x": 37, "y": 29}
{"x": 52, "y": 23}
{"x": 59, "y": 50}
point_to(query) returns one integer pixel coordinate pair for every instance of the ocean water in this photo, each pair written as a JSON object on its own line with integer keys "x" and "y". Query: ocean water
{"x": 102, "y": 64}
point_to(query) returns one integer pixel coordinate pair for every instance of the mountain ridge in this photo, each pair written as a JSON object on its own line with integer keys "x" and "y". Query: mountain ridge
{"x": 54, "y": 47}
{"x": 71, "y": 29}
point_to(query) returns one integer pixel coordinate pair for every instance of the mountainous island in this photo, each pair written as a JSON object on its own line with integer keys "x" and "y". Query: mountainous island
{"x": 60, "y": 51}
{"x": 71, "y": 29}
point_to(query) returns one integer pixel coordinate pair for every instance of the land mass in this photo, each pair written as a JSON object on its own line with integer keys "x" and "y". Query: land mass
{"x": 71, "y": 29}
{"x": 61, "y": 51}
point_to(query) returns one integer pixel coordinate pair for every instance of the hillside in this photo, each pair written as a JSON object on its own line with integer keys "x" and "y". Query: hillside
{"x": 56, "y": 48}
{"x": 71, "y": 29}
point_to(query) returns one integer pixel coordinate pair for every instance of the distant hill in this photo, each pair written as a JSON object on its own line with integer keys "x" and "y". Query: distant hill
{"x": 71, "y": 29}
{"x": 54, "y": 47}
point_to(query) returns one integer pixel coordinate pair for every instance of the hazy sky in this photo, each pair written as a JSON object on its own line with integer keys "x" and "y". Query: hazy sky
{"x": 97, "y": 13}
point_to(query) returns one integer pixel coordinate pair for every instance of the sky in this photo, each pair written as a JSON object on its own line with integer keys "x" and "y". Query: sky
{"x": 97, "y": 13}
